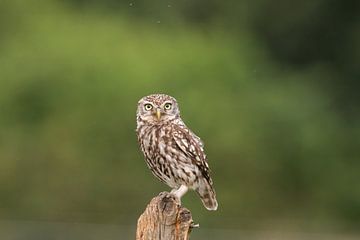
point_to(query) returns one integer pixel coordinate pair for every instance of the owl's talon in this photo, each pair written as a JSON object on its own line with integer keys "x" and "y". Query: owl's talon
{"x": 193, "y": 225}
{"x": 163, "y": 193}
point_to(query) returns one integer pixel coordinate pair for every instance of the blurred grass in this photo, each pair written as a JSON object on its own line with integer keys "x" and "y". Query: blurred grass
{"x": 70, "y": 82}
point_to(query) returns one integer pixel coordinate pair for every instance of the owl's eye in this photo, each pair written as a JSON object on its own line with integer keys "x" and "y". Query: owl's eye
{"x": 148, "y": 107}
{"x": 167, "y": 106}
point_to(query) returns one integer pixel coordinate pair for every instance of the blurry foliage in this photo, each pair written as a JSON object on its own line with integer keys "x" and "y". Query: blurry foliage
{"x": 272, "y": 89}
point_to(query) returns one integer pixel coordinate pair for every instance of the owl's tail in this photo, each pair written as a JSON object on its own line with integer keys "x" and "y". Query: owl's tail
{"x": 207, "y": 195}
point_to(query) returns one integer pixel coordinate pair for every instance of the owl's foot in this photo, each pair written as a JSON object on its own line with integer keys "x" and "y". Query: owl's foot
{"x": 193, "y": 225}
{"x": 180, "y": 191}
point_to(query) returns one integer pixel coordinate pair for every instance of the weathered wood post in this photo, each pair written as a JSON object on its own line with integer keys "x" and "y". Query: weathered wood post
{"x": 164, "y": 219}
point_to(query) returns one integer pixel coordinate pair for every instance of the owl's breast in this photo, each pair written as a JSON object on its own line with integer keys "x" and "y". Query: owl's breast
{"x": 149, "y": 139}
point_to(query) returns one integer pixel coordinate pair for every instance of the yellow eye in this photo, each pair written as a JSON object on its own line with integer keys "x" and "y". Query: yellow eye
{"x": 148, "y": 107}
{"x": 167, "y": 106}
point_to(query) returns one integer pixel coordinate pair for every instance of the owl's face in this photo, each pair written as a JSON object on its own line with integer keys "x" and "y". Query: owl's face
{"x": 157, "y": 108}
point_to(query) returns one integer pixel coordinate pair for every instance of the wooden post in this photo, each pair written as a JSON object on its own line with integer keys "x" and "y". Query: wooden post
{"x": 164, "y": 219}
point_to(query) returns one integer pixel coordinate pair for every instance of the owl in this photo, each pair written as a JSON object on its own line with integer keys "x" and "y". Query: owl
{"x": 174, "y": 154}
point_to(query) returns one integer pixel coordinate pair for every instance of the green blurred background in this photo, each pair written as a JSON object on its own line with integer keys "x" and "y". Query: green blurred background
{"x": 272, "y": 87}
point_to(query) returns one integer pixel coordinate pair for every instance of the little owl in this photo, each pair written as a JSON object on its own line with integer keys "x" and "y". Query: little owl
{"x": 174, "y": 154}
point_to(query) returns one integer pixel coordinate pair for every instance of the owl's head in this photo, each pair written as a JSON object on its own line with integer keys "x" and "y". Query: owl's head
{"x": 157, "y": 108}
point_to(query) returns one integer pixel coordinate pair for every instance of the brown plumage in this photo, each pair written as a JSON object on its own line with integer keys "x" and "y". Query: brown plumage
{"x": 174, "y": 154}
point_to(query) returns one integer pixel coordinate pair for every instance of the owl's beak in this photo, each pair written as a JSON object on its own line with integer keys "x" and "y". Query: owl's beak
{"x": 158, "y": 114}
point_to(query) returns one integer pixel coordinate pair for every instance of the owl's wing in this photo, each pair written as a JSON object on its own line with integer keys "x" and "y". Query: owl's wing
{"x": 192, "y": 147}
{"x": 197, "y": 139}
